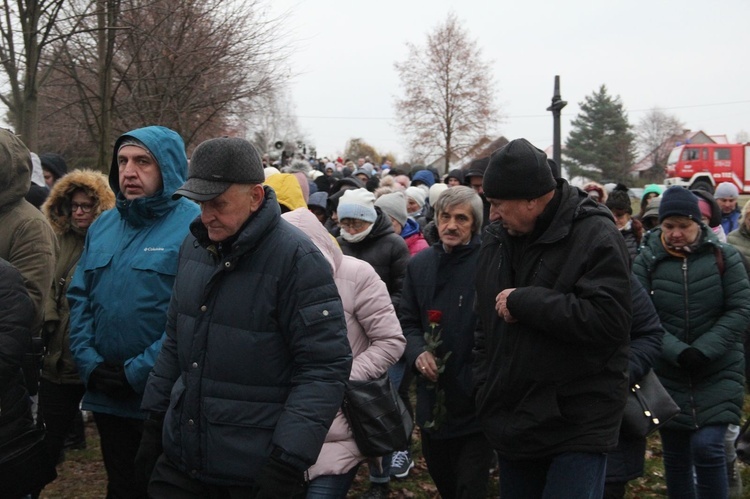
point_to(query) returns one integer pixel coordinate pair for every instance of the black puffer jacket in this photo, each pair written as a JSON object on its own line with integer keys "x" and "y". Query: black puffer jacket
{"x": 556, "y": 380}
{"x": 256, "y": 355}
{"x": 16, "y": 316}
{"x": 386, "y": 251}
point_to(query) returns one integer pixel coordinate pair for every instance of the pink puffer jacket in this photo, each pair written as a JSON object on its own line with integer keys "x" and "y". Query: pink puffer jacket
{"x": 373, "y": 330}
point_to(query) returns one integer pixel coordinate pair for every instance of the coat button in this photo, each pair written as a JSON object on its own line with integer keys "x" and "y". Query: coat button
{"x": 195, "y": 365}
{"x": 191, "y": 422}
{"x": 227, "y": 264}
{"x": 204, "y": 308}
{"x": 325, "y": 313}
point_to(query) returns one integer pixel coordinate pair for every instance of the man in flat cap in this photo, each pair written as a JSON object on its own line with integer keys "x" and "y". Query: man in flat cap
{"x": 255, "y": 360}
{"x": 551, "y": 367}
{"x": 121, "y": 289}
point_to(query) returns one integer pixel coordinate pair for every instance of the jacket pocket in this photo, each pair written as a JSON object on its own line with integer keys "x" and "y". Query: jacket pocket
{"x": 172, "y": 419}
{"x": 96, "y": 260}
{"x": 539, "y": 408}
{"x": 320, "y": 312}
{"x": 238, "y": 436}
{"x": 545, "y": 275}
{"x": 161, "y": 262}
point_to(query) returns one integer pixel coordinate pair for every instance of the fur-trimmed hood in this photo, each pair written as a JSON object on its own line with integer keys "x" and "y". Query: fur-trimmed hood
{"x": 57, "y": 206}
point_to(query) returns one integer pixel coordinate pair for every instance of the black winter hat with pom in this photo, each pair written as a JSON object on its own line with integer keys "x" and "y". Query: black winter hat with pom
{"x": 618, "y": 199}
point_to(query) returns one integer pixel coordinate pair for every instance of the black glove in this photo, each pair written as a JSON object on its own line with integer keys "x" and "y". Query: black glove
{"x": 109, "y": 378}
{"x": 692, "y": 358}
{"x": 149, "y": 450}
{"x": 278, "y": 480}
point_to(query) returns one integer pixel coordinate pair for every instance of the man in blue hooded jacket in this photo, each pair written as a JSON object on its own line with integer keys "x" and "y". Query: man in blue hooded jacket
{"x": 121, "y": 290}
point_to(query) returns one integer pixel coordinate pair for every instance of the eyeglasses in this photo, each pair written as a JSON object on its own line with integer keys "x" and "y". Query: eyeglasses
{"x": 86, "y": 207}
{"x": 353, "y": 224}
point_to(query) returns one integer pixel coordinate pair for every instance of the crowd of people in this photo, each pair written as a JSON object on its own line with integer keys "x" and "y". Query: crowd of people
{"x": 210, "y": 313}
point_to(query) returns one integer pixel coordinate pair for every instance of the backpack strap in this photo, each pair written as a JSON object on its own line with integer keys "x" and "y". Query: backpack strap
{"x": 719, "y": 259}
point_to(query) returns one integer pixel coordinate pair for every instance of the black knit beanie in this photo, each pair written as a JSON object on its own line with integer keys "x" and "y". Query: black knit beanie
{"x": 679, "y": 202}
{"x": 618, "y": 199}
{"x": 518, "y": 171}
{"x": 54, "y": 163}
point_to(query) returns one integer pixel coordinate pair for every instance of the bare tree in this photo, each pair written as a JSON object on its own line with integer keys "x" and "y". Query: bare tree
{"x": 653, "y": 134}
{"x": 448, "y": 104}
{"x": 194, "y": 66}
{"x": 26, "y": 31}
{"x": 271, "y": 119}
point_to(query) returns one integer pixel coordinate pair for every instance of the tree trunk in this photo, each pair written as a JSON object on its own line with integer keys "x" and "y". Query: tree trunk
{"x": 105, "y": 13}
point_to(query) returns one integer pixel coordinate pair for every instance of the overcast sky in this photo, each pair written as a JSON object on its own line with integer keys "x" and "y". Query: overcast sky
{"x": 687, "y": 57}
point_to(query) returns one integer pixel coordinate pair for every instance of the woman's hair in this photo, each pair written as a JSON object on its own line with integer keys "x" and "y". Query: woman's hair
{"x": 746, "y": 208}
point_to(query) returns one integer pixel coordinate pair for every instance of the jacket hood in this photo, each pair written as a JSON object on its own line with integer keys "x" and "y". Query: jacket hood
{"x": 425, "y": 176}
{"x": 54, "y": 163}
{"x": 303, "y": 219}
{"x": 381, "y": 226}
{"x": 57, "y": 206}
{"x": 575, "y": 204}
{"x": 352, "y": 182}
{"x": 288, "y": 190}
{"x": 15, "y": 169}
{"x": 168, "y": 149}
{"x": 411, "y": 228}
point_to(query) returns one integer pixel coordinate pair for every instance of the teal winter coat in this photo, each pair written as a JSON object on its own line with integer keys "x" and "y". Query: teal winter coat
{"x": 120, "y": 292}
{"x": 703, "y": 301}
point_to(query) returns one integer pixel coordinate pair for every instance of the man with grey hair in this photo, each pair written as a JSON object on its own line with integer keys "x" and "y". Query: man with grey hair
{"x": 441, "y": 278}
{"x": 255, "y": 360}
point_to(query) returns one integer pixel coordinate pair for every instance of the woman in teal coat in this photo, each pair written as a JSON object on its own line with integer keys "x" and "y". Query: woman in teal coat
{"x": 701, "y": 292}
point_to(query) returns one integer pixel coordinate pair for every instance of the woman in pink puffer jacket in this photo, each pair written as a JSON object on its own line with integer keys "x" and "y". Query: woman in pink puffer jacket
{"x": 376, "y": 341}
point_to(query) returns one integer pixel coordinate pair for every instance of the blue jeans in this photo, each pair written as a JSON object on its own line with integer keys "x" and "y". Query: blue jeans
{"x": 331, "y": 486}
{"x": 396, "y": 374}
{"x": 695, "y": 462}
{"x": 570, "y": 475}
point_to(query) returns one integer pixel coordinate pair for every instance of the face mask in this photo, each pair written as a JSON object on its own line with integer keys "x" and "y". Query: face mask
{"x": 356, "y": 237}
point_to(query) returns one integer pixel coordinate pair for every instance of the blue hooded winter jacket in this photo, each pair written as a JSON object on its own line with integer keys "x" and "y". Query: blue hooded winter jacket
{"x": 121, "y": 289}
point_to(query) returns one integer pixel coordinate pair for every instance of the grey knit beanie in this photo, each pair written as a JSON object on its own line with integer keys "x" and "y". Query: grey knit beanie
{"x": 393, "y": 205}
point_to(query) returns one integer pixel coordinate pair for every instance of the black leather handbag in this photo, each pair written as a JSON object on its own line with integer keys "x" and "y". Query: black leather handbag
{"x": 377, "y": 416}
{"x": 24, "y": 465}
{"x": 649, "y": 406}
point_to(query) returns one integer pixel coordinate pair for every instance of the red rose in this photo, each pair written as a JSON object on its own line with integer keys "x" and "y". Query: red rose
{"x": 434, "y": 316}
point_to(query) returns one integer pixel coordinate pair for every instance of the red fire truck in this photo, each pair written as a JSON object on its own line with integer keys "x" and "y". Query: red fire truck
{"x": 703, "y": 166}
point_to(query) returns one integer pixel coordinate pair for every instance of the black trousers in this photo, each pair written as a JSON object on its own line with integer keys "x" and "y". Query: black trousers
{"x": 120, "y": 438}
{"x": 168, "y": 482}
{"x": 460, "y": 467}
{"x": 58, "y": 405}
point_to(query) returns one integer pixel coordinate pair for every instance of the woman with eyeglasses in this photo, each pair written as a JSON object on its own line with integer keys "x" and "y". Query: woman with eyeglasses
{"x": 76, "y": 200}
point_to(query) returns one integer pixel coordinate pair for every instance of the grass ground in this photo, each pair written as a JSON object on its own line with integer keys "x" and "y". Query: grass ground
{"x": 82, "y": 476}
